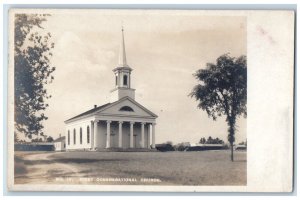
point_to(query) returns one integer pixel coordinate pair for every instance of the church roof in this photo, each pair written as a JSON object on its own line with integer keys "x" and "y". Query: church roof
{"x": 60, "y": 139}
{"x": 108, "y": 105}
{"x": 89, "y": 112}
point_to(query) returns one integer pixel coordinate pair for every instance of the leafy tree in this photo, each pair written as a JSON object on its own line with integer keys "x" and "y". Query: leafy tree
{"x": 181, "y": 147}
{"x": 202, "y": 140}
{"x": 32, "y": 71}
{"x": 49, "y": 139}
{"x": 16, "y": 137}
{"x": 209, "y": 140}
{"x": 218, "y": 141}
{"x": 223, "y": 91}
{"x": 37, "y": 140}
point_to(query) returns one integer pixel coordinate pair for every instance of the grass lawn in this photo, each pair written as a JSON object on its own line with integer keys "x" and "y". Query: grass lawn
{"x": 156, "y": 168}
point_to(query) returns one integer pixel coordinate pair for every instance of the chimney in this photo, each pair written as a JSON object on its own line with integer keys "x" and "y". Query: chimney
{"x": 95, "y": 106}
{"x": 59, "y": 135}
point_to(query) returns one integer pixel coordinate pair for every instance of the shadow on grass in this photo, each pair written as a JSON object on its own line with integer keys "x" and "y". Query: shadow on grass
{"x": 240, "y": 161}
{"x": 68, "y": 160}
{"x": 19, "y": 166}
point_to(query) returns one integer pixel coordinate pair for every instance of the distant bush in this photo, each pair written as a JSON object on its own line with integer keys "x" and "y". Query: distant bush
{"x": 164, "y": 147}
{"x": 211, "y": 140}
{"x": 181, "y": 148}
{"x": 205, "y": 148}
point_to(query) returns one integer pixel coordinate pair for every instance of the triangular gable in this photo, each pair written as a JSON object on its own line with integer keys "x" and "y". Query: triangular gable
{"x": 115, "y": 108}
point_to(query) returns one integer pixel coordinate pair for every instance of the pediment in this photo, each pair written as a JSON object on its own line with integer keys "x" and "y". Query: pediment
{"x": 126, "y": 107}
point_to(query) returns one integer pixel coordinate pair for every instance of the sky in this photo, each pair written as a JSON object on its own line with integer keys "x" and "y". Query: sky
{"x": 164, "y": 50}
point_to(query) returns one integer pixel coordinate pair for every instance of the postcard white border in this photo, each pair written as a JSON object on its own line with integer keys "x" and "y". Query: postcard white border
{"x": 270, "y": 109}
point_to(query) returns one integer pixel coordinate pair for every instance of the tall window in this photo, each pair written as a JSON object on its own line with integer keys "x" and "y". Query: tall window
{"x": 125, "y": 80}
{"x": 74, "y": 136}
{"x": 116, "y": 80}
{"x": 68, "y": 137}
{"x": 88, "y": 134}
{"x": 80, "y": 136}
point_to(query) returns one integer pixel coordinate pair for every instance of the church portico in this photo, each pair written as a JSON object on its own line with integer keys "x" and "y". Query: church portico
{"x": 122, "y": 134}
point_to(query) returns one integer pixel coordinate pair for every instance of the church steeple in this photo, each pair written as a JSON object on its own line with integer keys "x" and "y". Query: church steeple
{"x": 122, "y": 75}
{"x": 122, "y": 53}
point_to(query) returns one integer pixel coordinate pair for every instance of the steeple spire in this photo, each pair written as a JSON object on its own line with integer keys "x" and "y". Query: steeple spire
{"x": 122, "y": 76}
{"x": 122, "y": 53}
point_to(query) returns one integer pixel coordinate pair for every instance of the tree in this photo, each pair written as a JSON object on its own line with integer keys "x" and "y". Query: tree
{"x": 16, "y": 138}
{"x": 202, "y": 140}
{"x": 34, "y": 140}
{"x": 218, "y": 141}
{"x": 223, "y": 91}
{"x": 209, "y": 140}
{"x": 37, "y": 140}
{"x": 32, "y": 71}
{"x": 49, "y": 139}
{"x": 181, "y": 147}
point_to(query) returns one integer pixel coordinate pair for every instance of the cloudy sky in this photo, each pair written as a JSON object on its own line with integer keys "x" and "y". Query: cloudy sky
{"x": 164, "y": 51}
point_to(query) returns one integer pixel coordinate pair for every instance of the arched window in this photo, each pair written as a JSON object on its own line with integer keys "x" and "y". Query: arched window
{"x": 80, "y": 135}
{"x": 126, "y": 108}
{"x": 88, "y": 134}
{"x": 68, "y": 137}
{"x": 125, "y": 80}
{"x": 74, "y": 136}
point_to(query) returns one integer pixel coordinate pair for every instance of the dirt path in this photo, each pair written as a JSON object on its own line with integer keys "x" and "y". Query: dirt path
{"x": 41, "y": 169}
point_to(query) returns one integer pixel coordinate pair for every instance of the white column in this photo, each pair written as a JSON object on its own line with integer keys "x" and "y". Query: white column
{"x": 120, "y": 134}
{"x": 95, "y": 135}
{"x": 108, "y": 134}
{"x": 148, "y": 141}
{"x": 153, "y": 135}
{"x": 143, "y": 135}
{"x": 131, "y": 134}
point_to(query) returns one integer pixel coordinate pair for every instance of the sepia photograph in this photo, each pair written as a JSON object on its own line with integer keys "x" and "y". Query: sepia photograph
{"x": 129, "y": 98}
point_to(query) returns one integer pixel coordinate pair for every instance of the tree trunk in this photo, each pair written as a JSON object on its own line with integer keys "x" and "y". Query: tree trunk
{"x": 231, "y": 130}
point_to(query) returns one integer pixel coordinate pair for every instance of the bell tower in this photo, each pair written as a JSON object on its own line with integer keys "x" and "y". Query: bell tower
{"x": 122, "y": 76}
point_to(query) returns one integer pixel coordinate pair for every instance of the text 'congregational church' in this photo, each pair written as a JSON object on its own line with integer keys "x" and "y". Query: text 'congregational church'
{"x": 122, "y": 123}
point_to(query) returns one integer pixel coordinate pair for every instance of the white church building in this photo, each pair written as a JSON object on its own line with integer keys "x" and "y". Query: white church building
{"x": 122, "y": 123}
